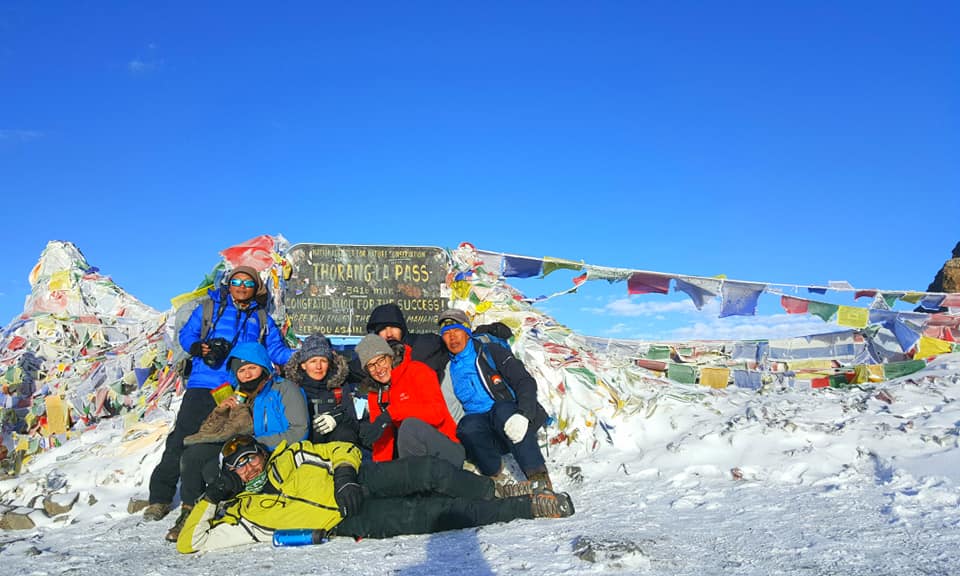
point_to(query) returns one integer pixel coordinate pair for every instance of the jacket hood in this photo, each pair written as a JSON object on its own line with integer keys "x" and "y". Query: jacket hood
{"x": 336, "y": 374}
{"x": 386, "y": 315}
{"x": 250, "y": 352}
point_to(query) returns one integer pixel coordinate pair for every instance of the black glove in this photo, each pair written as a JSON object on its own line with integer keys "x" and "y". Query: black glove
{"x": 370, "y": 432}
{"x": 196, "y": 349}
{"x": 346, "y": 491}
{"x": 225, "y": 486}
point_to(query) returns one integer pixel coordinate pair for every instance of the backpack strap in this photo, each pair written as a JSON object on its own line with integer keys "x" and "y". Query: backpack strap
{"x": 208, "y": 321}
{"x": 262, "y": 317}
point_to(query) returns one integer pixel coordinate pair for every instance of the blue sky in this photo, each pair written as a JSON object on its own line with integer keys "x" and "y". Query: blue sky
{"x": 790, "y": 142}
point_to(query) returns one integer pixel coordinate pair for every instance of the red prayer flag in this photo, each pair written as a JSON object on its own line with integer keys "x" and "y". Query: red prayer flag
{"x": 794, "y": 305}
{"x": 860, "y": 293}
{"x": 642, "y": 283}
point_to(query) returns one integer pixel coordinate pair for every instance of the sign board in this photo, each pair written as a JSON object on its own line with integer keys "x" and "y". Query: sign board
{"x": 334, "y": 288}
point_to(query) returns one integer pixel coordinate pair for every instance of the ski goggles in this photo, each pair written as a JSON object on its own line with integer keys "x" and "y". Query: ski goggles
{"x": 239, "y": 451}
{"x": 245, "y": 283}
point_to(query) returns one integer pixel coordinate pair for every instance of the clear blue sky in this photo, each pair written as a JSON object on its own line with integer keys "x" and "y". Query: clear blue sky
{"x": 794, "y": 142}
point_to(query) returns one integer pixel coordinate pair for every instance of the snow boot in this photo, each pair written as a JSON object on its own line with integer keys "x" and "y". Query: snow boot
{"x": 156, "y": 511}
{"x": 550, "y": 505}
{"x": 174, "y": 532}
{"x": 511, "y": 489}
{"x": 541, "y": 482}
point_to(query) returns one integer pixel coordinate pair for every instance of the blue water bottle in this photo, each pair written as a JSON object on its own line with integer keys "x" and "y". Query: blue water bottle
{"x": 299, "y": 537}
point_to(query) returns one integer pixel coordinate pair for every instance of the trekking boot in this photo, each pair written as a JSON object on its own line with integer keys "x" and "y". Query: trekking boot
{"x": 511, "y": 489}
{"x": 541, "y": 482}
{"x": 174, "y": 532}
{"x": 551, "y": 505}
{"x": 156, "y": 511}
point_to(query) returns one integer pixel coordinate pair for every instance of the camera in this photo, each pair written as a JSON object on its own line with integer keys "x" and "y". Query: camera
{"x": 219, "y": 350}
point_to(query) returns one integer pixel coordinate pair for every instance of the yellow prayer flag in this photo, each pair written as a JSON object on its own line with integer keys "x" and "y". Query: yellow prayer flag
{"x": 484, "y": 306}
{"x": 913, "y": 297}
{"x": 461, "y": 289}
{"x": 60, "y": 280}
{"x": 928, "y": 346}
{"x": 714, "y": 377}
{"x": 178, "y": 301}
{"x": 853, "y": 316}
{"x": 56, "y": 414}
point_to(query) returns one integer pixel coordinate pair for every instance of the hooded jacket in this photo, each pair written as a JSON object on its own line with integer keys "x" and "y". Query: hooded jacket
{"x": 327, "y": 396}
{"x": 235, "y": 326}
{"x": 427, "y": 348}
{"x": 280, "y": 408}
{"x": 413, "y": 393}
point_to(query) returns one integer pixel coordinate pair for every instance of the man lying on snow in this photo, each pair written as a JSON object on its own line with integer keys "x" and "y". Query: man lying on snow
{"x": 317, "y": 486}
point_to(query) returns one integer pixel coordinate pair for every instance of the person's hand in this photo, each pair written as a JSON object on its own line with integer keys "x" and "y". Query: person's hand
{"x": 516, "y": 427}
{"x": 225, "y": 486}
{"x": 346, "y": 491}
{"x": 196, "y": 349}
{"x": 370, "y": 432}
{"x": 324, "y": 423}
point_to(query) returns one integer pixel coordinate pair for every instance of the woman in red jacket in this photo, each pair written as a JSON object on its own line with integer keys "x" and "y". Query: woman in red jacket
{"x": 408, "y": 415}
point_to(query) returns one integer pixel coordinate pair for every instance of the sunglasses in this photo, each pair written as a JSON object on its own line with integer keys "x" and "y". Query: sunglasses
{"x": 245, "y": 283}
{"x": 246, "y": 445}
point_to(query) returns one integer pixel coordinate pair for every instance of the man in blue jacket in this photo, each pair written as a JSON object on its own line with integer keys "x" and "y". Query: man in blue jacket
{"x": 234, "y": 320}
{"x": 498, "y": 397}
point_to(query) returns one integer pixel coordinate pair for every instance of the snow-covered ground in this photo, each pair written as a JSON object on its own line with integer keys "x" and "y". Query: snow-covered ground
{"x": 860, "y": 481}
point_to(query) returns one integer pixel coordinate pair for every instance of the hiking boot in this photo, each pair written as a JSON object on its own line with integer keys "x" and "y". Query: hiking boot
{"x": 156, "y": 511}
{"x": 511, "y": 489}
{"x": 541, "y": 482}
{"x": 174, "y": 532}
{"x": 550, "y": 505}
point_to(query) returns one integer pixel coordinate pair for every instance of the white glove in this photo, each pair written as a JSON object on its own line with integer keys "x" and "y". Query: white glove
{"x": 324, "y": 423}
{"x": 516, "y": 427}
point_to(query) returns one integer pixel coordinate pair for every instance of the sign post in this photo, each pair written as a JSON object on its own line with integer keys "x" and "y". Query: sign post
{"x": 334, "y": 288}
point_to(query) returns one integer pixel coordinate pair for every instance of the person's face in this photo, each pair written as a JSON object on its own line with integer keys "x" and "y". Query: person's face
{"x": 251, "y": 467}
{"x": 380, "y": 368}
{"x": 316, "y": 367}
{"x": 456, "y": 340}
{"x": 246, "y": 288}
{"x": 249, "y": 372}
{"x": 391, "y": 333}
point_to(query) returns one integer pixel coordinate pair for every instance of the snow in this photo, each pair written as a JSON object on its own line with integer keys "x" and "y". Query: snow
{"x": 786, "y": 481}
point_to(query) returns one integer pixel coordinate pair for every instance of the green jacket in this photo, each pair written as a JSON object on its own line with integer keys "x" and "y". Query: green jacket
{"x": 302, "y": 473}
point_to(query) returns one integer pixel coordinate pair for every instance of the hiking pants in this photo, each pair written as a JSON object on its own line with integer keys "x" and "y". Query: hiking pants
{"x": 422, "y": 495}
{"x": 417, "y": 438}
{"x": 196, "y": 405}
{"x": 485, "y": 441}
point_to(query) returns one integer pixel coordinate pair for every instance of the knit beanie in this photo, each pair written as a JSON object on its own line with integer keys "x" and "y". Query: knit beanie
{"x": 370, "y": 347}
{"x": 316, "y": 345}
{"x": 454, "y": 318}
{"x": 260, "y": 289}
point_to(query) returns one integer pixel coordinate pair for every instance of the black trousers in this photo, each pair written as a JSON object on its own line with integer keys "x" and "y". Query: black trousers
{"x": 196, "y": 405}
{"x": 195, "y": 463}
{"x": 422, "y": 495}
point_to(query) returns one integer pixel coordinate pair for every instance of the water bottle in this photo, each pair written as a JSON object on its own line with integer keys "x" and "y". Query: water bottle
{"x": 299, "y": 537}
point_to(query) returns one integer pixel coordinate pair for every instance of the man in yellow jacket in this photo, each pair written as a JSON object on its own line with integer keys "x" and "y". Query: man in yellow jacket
{"x": 323, "y": 487}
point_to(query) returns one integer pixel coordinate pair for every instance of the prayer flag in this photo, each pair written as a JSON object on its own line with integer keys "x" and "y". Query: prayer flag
{"x": 822, "y": 309}
{"x": 698, "y": 289}
{"x": 611, "y": 275}
{"x": 554, "y": 264}
{"x": 852, "y": 316}
{"x": 740, "y": 299}
{"x": 860, "y": 293}
{"x": 933, "y": 302}
{"x": 931, "y": 347}
{"x": 714, "y": 377}
{"x": 912, "y": 297}
{"x": 521, "y": 267}
{"x": 794, "y": 305}
{"x": 816, "y": 290}
{"x": 645, "y": 283}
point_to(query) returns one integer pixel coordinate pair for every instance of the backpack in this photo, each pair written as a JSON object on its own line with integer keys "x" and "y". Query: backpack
{"x": 208, "y": 319}
{"x": 495, "y": 333}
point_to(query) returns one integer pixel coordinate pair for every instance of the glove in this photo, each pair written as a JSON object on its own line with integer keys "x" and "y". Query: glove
{"x": 346, "y": 491}
{"x": 516, "y": 427}
{"x": 226, "y": 486}
{"x": 196, "y": 349}
{"x": 324, "y": 423}
{"x": 370, "y": 432}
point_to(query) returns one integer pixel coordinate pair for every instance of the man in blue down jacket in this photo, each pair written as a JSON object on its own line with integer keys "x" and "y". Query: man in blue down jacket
{"x": 234, "y": 320}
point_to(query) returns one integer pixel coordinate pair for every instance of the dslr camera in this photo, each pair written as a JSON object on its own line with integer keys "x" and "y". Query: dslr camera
{"x": 219, "y": 350}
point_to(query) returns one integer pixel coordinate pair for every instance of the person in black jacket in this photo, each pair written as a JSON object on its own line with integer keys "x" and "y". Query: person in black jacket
{"x": 387, "y": 321}
{"x": 322, "y": 374}
{"x": 498, "y": 397}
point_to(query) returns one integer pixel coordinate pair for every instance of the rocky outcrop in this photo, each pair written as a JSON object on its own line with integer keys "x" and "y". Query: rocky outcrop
{"x": 948, "y": 278}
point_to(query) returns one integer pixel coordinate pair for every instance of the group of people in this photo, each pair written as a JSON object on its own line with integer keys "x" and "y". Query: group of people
{"x": 407, "y": 437}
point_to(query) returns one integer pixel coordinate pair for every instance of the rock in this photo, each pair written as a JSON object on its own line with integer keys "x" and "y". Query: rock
{"x": 56, "y": 504}
{"x": 91, "y": 500}
{"x": 948, "y": 278}
{"x": 613, "y": 553}
{"x": 17, "y": 519}
{"x": 136, "y": 504}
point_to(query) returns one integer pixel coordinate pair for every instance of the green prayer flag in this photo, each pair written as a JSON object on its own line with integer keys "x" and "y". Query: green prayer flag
{"x": 898, "y": 369}
{"x": 891, "y": 299}
{"x": 658, "y": 353}
{"x": 683, "y": 373}
{"x": 554, "y": 264}
{"x": 822, "y": 309}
